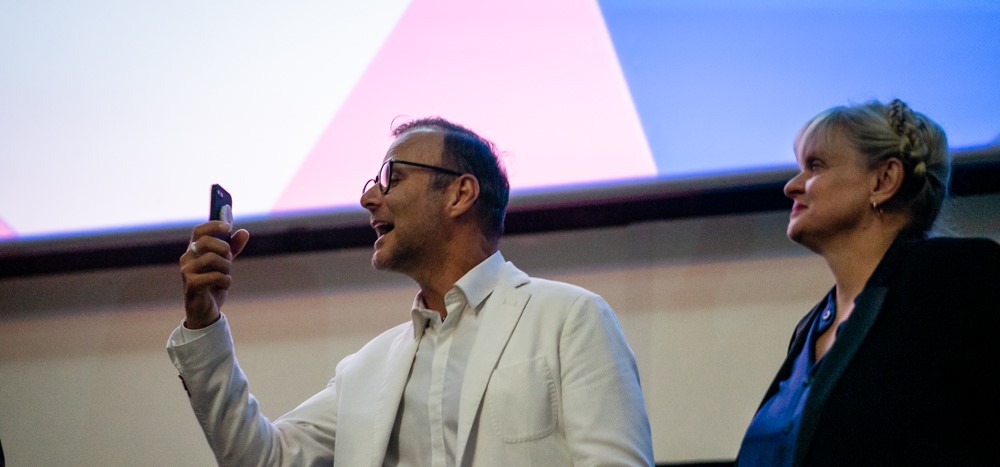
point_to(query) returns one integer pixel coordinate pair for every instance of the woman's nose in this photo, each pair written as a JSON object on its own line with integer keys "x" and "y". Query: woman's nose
{"x": 793, "y": 186}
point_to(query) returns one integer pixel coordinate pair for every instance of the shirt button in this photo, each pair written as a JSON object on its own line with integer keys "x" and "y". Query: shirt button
{"x": 826, "y": 314}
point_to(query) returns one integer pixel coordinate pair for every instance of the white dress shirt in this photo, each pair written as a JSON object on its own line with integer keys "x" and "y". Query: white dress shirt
{"x": 426, "y": 428}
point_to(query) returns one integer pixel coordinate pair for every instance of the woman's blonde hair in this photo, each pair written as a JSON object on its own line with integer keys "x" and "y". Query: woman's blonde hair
{"x": 884, "y": 131}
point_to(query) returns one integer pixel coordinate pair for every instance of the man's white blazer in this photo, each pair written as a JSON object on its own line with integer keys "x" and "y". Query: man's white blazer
{"x": 550, "y": 381}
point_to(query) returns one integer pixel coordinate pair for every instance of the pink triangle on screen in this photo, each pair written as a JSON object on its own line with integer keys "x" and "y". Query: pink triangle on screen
{"x": 6, "y": 232}
{"x": 540, "y": 79}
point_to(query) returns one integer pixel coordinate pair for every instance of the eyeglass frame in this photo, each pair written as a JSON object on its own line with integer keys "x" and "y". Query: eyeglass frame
{"x": 388, "y": 172}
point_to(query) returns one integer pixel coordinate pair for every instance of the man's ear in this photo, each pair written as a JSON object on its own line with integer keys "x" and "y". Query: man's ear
{"x": 464, "y": 193}
{"x": 888, "y": 180}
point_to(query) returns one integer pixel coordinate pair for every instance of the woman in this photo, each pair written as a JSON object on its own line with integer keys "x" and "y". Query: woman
{"x": 897, "y": 365}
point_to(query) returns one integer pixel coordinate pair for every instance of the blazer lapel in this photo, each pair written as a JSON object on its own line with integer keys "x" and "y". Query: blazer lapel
{"x": 798, "y": 341}
{"x": 390, "y": 392}
{"x": 866, "y": 309}
{"x": 500, "y": 316}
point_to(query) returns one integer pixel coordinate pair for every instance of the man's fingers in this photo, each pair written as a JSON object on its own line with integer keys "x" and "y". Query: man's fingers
{"x": 212, "y": 229}
{"x": 239, "y": 241}
{"x": 205, "y": 267}
{"x": 212, "y": 280}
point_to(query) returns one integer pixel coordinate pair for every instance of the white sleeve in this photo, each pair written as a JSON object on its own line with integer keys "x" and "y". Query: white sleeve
{"x": 604, "y": 411}
{"x": 237, "y": 431}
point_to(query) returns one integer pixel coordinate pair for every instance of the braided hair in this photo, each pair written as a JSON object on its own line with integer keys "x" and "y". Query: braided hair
{"x": 885, "y": 131}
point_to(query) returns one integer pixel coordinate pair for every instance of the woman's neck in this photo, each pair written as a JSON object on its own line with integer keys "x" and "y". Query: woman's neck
{"x": 854, "y": 261}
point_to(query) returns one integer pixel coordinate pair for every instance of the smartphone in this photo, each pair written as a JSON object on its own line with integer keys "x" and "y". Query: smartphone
{"x": 221, "y": 208}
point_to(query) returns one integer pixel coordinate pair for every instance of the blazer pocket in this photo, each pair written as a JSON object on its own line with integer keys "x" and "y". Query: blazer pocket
{"x": 520, "y": 401}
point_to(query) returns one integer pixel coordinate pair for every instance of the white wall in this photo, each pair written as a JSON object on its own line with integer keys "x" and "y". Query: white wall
{"x": 708, "y": 305}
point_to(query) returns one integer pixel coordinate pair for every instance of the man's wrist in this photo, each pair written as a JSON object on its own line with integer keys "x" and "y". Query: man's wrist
{"x": 193, "y": 324}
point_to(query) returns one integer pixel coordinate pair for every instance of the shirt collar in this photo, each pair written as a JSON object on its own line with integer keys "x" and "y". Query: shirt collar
{"x": 475, "y": 286}
{"x": 478, "y": 283}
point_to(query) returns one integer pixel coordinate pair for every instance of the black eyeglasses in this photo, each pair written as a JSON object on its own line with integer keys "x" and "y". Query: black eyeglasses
{"x": 384, "y": 177}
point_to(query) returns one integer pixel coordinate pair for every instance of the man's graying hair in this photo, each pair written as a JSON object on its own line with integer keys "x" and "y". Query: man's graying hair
{"x": 467, "y": 152}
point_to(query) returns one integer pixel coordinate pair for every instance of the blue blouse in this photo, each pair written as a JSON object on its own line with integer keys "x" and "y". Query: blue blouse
{"x": 770, "y": 440}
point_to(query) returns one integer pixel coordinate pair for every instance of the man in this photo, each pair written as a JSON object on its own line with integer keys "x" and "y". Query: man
{"x": 494, "y": 367}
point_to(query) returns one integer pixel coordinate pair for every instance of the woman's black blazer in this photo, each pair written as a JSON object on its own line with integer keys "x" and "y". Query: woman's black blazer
{"x": 913, "y": 376}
